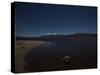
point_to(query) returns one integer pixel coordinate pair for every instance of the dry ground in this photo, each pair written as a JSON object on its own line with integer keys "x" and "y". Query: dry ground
{"x": 22, "y": 48}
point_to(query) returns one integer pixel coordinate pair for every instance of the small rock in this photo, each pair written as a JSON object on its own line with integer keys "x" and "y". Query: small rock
{"x": 66, "y": 59}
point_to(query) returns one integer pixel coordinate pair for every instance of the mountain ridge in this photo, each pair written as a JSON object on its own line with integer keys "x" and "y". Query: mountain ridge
{"x": 60, "y": 37}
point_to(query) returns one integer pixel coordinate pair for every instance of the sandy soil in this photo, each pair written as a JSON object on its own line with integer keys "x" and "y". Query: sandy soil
{"x": 22, "y": 48}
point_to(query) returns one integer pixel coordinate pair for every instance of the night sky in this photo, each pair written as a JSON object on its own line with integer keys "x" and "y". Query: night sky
{"x": 41, "y": 19}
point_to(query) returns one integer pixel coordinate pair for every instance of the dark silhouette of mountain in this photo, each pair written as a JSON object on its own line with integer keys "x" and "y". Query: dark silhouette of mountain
{"x": 76, "y": 36}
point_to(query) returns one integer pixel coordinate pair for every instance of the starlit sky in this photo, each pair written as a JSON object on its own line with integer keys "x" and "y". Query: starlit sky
{"x": 40, "y": 19}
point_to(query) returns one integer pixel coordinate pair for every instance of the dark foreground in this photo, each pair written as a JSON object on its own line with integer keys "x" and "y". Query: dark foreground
{"x": 48, "y": 56}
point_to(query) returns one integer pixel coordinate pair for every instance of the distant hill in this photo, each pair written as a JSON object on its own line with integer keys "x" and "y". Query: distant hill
{"x": 76, "y": 36}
